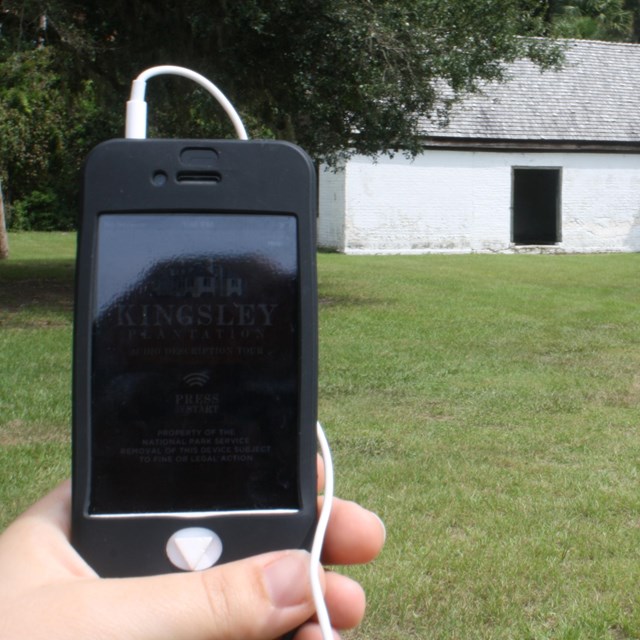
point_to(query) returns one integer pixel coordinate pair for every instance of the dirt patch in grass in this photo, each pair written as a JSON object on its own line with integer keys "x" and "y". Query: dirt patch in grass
{"x": 633, "y": 394}
{"x": 18, "y": 432}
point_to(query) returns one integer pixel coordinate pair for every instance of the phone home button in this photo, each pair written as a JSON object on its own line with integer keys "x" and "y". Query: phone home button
{"x": 194, "y": 548}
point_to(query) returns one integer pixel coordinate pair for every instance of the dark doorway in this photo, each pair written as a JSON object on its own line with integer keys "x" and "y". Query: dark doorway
{"x": 536, "y": 206}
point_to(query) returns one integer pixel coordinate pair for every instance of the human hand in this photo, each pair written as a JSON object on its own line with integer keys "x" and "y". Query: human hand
{"x": 47, "y": 592}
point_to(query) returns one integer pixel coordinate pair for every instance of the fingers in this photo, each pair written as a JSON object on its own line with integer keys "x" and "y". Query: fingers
{"x": 55, "y": 508}
{"x": 311, "y": 631}
{"x": 354, "y": 535}
{"x": 35, "y": 550}
{"x": 346, "y": 604}
{"x": 255, "y": 599}
{"x": 346, "y": 601}
{"x": 321, "y": 477}
{"x": 260, "y": 598}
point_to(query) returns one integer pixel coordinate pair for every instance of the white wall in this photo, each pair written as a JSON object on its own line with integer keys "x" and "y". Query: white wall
{"x": 460, "y": 201}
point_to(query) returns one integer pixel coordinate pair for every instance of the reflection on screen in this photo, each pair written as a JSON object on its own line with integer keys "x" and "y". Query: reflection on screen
{"x": 194, "y": 391}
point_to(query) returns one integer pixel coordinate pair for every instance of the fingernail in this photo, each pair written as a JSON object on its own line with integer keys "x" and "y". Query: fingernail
{"x": 384, "y": 528}
{"x": 287, "y": 579}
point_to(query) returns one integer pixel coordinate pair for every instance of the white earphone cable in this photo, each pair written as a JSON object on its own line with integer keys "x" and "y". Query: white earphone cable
{"x": 136, "y": 120}
{"x": 318, "y": 540}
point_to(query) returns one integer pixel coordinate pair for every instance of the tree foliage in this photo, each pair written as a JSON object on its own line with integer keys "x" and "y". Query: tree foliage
{"x": 43, "y": 137}
{"x": 597, "y": 19}
{"x": 335, "y": 76}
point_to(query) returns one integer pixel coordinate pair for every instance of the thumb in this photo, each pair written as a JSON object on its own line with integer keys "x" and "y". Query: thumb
{"x": 259, "y": 598}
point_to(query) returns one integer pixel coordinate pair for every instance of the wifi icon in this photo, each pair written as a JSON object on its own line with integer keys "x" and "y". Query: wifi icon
{"x": 196, "y": 379}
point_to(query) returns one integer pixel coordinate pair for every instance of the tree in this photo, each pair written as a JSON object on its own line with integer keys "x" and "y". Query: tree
{"x": 335, "y": 76}
{"x": 633, "y": 6}
{"x": 4, "y": 240}
{"x": 325, "y": 73}
{"x": 597, "y": 19}
{"x": 42, "y": 138}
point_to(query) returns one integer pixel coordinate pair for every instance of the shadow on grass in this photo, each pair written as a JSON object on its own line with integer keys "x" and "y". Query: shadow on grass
{"x": 348, "y": 300}
{"x": 36, "y": 290}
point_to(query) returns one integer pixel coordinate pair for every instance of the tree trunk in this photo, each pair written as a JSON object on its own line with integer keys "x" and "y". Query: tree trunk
{"x": 4, "y": 239}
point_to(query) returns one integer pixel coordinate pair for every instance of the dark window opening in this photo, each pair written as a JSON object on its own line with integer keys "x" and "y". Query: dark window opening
{"x": 536, "y": 206}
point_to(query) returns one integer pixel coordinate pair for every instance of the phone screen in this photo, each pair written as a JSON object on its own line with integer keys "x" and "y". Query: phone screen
{"x": 194, "y": 385}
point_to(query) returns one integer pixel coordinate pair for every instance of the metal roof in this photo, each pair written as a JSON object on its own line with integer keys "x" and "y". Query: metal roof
{"x": 593, "y": 98}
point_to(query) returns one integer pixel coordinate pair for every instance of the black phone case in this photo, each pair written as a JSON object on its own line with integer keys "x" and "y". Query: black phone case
{"x": 194, "y": 177}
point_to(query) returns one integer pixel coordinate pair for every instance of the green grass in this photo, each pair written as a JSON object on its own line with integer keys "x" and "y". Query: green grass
{"x": 36, "y": 303}
{"x": 486, "y": 406}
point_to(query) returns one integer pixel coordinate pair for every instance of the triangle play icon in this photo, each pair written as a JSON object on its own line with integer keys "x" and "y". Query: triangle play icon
{"x": 194, "y": 549}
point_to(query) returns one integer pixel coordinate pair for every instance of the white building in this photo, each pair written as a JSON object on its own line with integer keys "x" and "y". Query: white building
{"x": 545, "y": 161}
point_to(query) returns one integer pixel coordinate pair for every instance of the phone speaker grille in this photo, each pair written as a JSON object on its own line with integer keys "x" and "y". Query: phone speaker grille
{"x": 199, "y": 176}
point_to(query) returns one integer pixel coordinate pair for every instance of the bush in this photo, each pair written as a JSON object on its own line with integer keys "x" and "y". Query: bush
{"x": 40, "y": 211}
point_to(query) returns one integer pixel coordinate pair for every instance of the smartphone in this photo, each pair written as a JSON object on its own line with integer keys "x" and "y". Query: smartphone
{"x": 195, "y": 354}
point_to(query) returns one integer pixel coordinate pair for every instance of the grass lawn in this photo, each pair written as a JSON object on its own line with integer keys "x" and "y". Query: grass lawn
{"x": 36, "y": 303}
{"x": 488, "y": 407}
